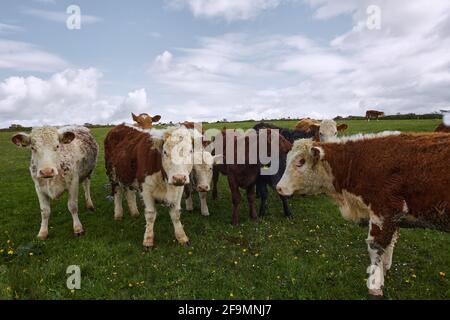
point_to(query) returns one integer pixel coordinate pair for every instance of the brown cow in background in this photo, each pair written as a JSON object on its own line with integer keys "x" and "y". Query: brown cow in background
{"x": 144, "y": 120}
{"x": 374, "y": 114}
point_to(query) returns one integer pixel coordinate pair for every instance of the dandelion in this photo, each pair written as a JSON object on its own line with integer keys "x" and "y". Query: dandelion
{"x": 31, "y": 254}
{"x": 442, "y": 274}
{"x": 414, "y": 276}
{"x": 8, "y": 242}
{"x": 190, "y": 253}
{"x": 1, "y": 250}
{"x": 231, "y": 295}
{"x": 244, "y": 250}
{"x": 130, "y": 285}
{"x": 72, "y": 291}
{"x": 256, "y": 254}
{"x": 235, "y": 262}
{"x": 10, "y": 252}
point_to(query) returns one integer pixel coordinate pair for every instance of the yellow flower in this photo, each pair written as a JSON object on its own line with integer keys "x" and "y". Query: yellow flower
{"x": 72, "y": 291}
{"x": 256, "y": 254}
{"x": 414, "y": 276}
{"x": 31, "y": 254}
{"x": 235, "y": 262}
{"x": 1, "y": 250}
{"x": 244, "y": 250}
{"x": 130, "y": 285}
{"x": 8, "y": 242}
{"x": 190, "y": 253}
{"x": 442, "y": 274}
{"x": 231, "y": 295}
{"x": 10, "y": 252}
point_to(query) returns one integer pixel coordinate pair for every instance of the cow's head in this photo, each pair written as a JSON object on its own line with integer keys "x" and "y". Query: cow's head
{"x": 203, "y": 170}
{"x": 45, "y": 144}
{"x": 144, "y": 120}
{"x": 305, "y": 170}
{"x": 329, "y": 129}
{"x": 177, "y": 155}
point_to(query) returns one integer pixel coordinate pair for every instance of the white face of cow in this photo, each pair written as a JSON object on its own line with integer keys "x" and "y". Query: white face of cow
{"x": 177, "y": 155}
{"x": 303, "y": 172}
{"x": 329, "y": 129}
{"x": 203, "y": 170}
{"x": 45, "y": 144}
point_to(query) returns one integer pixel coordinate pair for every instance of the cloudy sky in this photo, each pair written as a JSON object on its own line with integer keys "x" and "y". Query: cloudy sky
{"x": 214, "y": 59}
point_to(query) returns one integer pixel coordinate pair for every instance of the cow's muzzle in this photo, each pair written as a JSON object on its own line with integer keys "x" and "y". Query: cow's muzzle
{"x": 203, "y": 188}
{"x": 47, "y": 173}
{"x": 179, "y": 180}
{"x": 283, "y": 191}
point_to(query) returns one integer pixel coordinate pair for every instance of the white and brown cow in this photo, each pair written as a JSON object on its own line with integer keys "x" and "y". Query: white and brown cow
{"x": 322, "y": 130}
{"x": 391, "y": 180}
{"x": 155, "y": 162}
{"x": 61, "y": 159}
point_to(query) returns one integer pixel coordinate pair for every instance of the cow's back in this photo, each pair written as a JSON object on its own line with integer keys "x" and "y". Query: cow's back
{"x": 130, "y": 155}
{"x": 411, "y": 168}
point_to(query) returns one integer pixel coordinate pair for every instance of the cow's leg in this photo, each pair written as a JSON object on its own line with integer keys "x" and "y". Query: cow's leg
{"x": 189, "y": 202}
{"x": 261, "y": 188}
{"x": 215, "y": 180}
{"x": 87, "y": 194}
{"x": 236, "y": 198}
{"x": 251, "y": 202}
{"x": 72, "y": 204}
{"x": 379, "y": 239}
{"x": 286, "y": 209}
{"x": 203, "y": 204}
{"x": 150, "y": 217}
{"x": 44, "y": 204}
{"x": 181, "y": 236}
{"x": 131, "y": 201}
{"x": 388, "y": 253}
{"x": 118, "y": 209}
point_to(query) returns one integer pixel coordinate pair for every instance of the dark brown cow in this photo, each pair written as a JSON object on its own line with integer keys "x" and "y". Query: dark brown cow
{"x": 244, "y": 175}
{"x": 390, "y": 180}
{"x": 373, "y": 114}
{"x": 442, "y": 128}
{"x": 155, "y": 162}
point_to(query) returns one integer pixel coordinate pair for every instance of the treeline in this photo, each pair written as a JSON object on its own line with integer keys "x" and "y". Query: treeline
{"x": 408, "y": 116}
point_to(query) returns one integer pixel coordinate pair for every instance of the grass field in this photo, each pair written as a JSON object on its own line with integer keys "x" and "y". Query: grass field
{"x": 317, "y": 255}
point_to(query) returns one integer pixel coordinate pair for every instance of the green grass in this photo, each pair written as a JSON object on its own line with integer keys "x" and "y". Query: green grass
{"x": 317, "y": 255}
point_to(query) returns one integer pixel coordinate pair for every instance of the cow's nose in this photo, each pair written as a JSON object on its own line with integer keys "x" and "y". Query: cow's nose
{"x": 203, "y": 188}
{"x": 179, "y": 180}
{"x": 47, "y": 173}
{"x": 280, "y": 190}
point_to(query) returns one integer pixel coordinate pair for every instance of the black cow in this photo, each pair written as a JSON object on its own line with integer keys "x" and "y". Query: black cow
{"x": 271, "y": 180}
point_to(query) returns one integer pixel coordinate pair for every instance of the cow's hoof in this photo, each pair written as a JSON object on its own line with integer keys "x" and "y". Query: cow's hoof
{"x": 205, "y": 214}
{"x": 118, "y": 218}
{"x": 376, "y": 295}
{"x": 135, "y": 215}
{"x": 148, "y": 247}
{"x": 90, "y": 208}
{"x": 78, "y": 234}
{"x": 42, "y": 236}
{"x": 186, "y": 244}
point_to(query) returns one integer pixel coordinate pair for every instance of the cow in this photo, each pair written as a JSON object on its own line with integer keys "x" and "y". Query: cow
{"x": 263, "y": 181}
{"x": 202, "y": 172}
{"x": 320, "y": 130}
{"x": 144, "y": 120}
{"x": 373, "y": 114}
{"x": 442, "y": 128}
{"x": 61, "y": 159}
{"x": 157, "y": 163}
{"x": 244, "y": 175}
{"x": 388, "y": 179}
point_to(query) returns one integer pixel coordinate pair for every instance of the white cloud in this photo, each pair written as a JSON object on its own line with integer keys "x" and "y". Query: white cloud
{"x": 404, "y": 67}
{"x": 59, "y": 16}
{"x": 68, "y": 97}
{"x": 9, "y": 28}
{"x": 229, "y": 10}
{"x": 28, "y": 57}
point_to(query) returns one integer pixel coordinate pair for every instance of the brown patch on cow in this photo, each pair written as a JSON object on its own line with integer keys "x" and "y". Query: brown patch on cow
{"x": 307, "y": 125}
{"x": 144, "y": 120}
{"x": 392, "y": 172}
{"x": 442, "y": 128}
{"x": 130, "y": 155}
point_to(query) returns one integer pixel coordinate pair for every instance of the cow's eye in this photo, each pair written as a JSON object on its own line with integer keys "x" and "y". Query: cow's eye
{"x": 165, "y": 153}
{"x": 300, "y": 163}
{"x": 33, "y": 149}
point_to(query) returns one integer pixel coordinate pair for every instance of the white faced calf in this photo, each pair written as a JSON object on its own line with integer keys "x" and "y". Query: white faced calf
{"x": 60, "y": 160}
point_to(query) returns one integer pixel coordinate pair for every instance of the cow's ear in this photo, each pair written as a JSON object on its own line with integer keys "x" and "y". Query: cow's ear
{"x": 21, "y": 139}
{"x": 66, "y": 137}
{"x": 317, "y": 154}
{"x": 342, "y": 127}
{"x": 156, "y": 118}
{"x": 135, "y": 118}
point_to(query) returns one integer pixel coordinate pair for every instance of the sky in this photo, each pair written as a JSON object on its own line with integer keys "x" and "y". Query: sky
{"x": 208, "y": 60}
